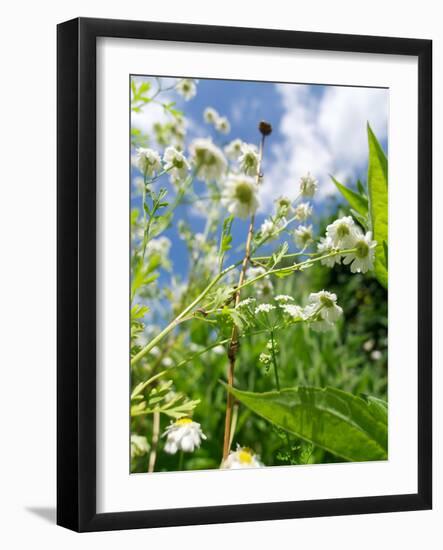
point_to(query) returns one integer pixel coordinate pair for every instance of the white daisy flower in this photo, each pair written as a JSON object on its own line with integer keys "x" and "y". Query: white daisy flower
{"x": 187, "y": 88}
{"x": 308, "y": 186}
{"x": 148, "y": 161}
{"x": 233, "y": 149}
{"x": 176, "y": 164}
{"x": 208, "y": 158}
{"x": 183, "y": 435}
{"x": 267, "y": 229}
{"x": 342, "y": 232}
{"x": 240, "y": 196}
{"x": 222, "y": 125}
{"x": 325, "y": 246}
{"x": 210, "y": 115}
{"x": 139, "y": 445}
{"x": 283, "y": 206}
{"x": 249, "y": 159}
{"x": 264, "y": 308}
{"x": 243, "y": 457}
{"x": 363, "y": 258}
{"x": 323, "y": 305}
{"x": 303, "y": 211}
{"x": 303, "y": 236}
{"x": 283, "y": 298}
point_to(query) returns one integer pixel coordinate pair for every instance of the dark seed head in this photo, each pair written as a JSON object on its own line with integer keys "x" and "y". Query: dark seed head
{"x": 265, "y": 128}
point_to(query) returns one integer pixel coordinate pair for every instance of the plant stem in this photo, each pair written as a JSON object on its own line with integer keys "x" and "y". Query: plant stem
{"x": 155, "y": 438}
{"x": 274, "y": 361}
{"x": 178, "y": 319}
{"x": 233, "y": 347}
{"x": 180, "y": 461}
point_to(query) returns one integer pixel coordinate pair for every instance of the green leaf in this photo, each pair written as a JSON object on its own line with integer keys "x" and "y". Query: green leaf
{"x": 378, "y": 204}
{"x": 348, "y": 426}
{"x": 358, "y": 202}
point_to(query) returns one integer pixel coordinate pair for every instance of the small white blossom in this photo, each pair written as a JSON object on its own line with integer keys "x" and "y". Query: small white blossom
{"x": 208, "y": 158}
{"x": 264, "y": 358}
{"x": 283, "y": 206}
{"x": 369, "y": 345}
{"x": 167, "y": 362}
{"x": 303, "y": 211}
{"x": 342, "y": 232}
{"x": 363, "y": 258}
{"x": 222, "y": 125}
{"x": 219, "y": 350}
{"x": 283, "y": 298}
{"x": 187, "y": 88}
{"x": 303, "y": 236}
{"x": 160, "y": 246}
{"x": 240, "y": 196}
{"x": 376, "y": 355}
{"x": 325, "y": 246}
{"x": 246, "y": 302}
{"x": 323, "y": 305}
{"x": 176, "y": 164}
{"x": 308, "y": 186}
{"x": 233, "y": 149}
{"x": 210, "y": 115}
{"x": 294, "y": 311}
{"x": 148, "y": 161}
{"x": 267, "y": 229}
{"x": 248, "y": 159}
{"x": 243, "y": 457}
{"x": 155, "y": 351}
{"x": 139, "y": 445}
{"x": 183, "y": 435}
{"x": 264, "y": 308}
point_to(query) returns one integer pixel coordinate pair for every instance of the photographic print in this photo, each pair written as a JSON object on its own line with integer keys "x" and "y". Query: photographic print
{"x": 259, "y": 274}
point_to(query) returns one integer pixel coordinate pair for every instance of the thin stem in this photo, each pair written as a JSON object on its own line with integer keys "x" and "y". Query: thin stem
{"x": 180, "y": 461}
{"x": 233, "y": 347}
{"x": 274, "y": 361}
{"x": 140, "y": 387}
{"x": 155, "y": 439}
{"x": 178, "y": 319}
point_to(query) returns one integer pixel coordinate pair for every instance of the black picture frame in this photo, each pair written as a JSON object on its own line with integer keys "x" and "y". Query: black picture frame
{"x": 76, "y": 279}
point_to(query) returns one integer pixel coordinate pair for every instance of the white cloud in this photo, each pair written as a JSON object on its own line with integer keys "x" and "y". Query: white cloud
{"x": 323, "y": 134}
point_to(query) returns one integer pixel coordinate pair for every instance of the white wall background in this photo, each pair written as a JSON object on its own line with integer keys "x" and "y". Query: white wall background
{"x": 27, "y": 272}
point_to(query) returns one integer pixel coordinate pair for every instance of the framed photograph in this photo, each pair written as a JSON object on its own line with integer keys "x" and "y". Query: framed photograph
{"x": 244, "y": 274}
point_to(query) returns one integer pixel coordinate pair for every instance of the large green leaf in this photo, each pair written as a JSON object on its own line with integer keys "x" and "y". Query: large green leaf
{"x": 378, "y": 204}
{"x": 358, "y": 202}
{"x": 348, "y": 426}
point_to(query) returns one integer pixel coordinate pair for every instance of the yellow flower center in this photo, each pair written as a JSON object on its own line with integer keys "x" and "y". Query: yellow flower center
{"x": 326, "y": 301}
{"x": 342, "y": 230}
{"x": 245, "y": 456}
{"x": 243, "y": 193}
{"x": 183, "y": 421}
{"x": 362, "y": 249}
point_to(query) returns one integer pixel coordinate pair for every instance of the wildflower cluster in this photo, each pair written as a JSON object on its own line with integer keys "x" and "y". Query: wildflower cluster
{"x": 206, "y": 313}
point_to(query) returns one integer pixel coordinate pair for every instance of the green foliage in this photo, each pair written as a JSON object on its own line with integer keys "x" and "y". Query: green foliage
{"x": 334, "y": 420}
{"x": 357, "y": 201}
{"x": 378, "y": 204}
{"x": 182, "y": 320}
{"x": 372, "y": 211}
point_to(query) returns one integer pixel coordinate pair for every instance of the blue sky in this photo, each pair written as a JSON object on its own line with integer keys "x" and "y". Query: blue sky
{"x": 316, "y": 128}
